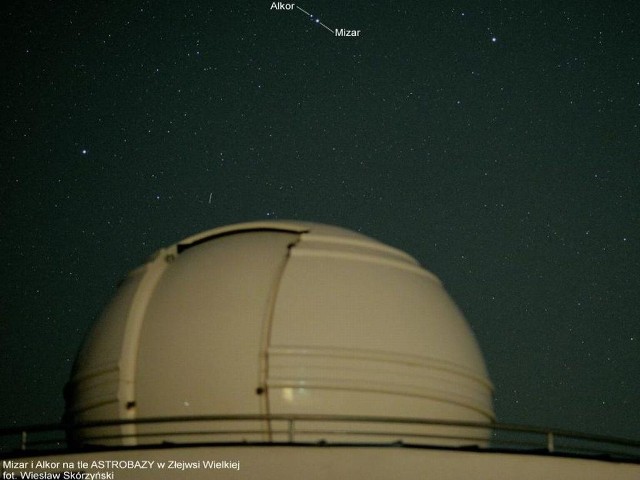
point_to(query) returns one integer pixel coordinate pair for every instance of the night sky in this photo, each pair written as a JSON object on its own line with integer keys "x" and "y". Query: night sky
{"x": 496, "y": 142}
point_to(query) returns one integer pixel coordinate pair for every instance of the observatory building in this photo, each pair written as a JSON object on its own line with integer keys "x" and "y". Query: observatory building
{"x": 287, "y": 349}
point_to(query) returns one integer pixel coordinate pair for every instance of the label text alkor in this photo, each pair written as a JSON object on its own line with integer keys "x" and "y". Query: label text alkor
{"x": 282, "y": 6}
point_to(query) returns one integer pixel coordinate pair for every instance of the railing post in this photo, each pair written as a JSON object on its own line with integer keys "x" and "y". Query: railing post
{"x": 550, "y": 446}
{"x": 291, "y": 430}
{"x": 23, "y": 444}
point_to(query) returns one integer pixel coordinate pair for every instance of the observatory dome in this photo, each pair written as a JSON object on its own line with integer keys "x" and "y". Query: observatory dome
{"x": 274, "y": 318}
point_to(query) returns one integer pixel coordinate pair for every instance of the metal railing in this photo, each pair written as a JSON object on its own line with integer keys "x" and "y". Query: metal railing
{"x": 314, "y": 429}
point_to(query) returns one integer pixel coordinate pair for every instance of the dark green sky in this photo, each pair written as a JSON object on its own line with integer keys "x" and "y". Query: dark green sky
{"x": 510, "y": 168}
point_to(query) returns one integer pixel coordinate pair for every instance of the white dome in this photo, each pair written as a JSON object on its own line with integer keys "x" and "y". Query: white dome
{"x": 277, "y": 318}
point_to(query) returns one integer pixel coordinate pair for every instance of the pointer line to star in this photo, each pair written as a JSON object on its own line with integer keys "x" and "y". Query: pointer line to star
{"x": 317, "y": 20}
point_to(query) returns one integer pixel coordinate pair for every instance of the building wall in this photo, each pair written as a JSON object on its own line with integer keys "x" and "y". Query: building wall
{"x": 325, "y": 462}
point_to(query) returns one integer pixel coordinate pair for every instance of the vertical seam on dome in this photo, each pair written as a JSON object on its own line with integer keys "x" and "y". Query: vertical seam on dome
{"x": 136, "y": 316}
{"x": 266, "y": 334}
